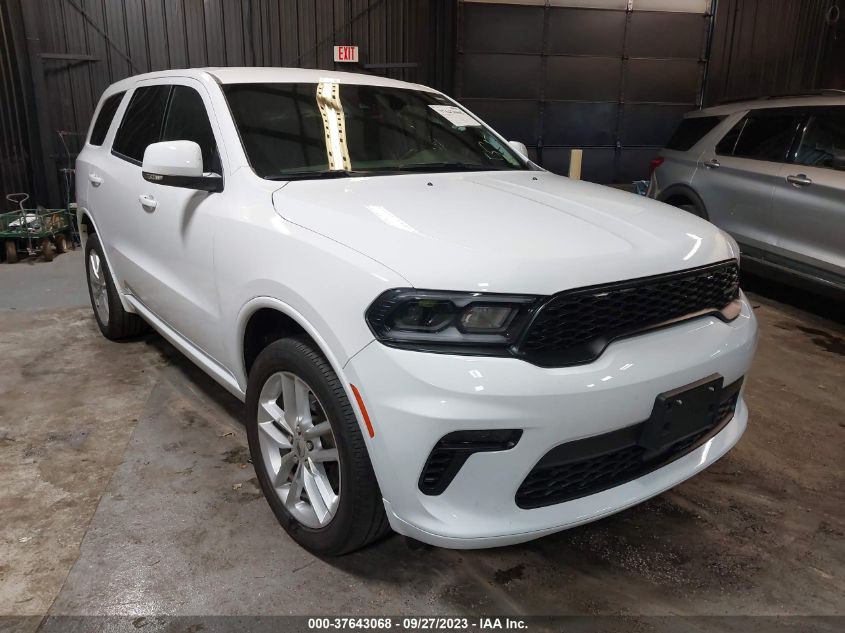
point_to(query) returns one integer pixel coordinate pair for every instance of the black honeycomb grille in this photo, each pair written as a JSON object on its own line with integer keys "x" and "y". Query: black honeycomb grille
{"x": 726, "y": 408}
{"x": 575, "y": 326}
{"x": 551, "y": 481}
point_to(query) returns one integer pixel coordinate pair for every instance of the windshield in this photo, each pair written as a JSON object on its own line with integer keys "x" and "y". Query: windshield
{"x": 296, "y": 130}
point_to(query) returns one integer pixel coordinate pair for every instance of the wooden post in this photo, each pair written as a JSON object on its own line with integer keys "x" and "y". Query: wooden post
{"x": 575, "y": 164}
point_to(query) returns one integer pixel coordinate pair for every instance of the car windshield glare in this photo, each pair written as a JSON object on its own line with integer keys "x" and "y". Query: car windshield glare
{"x": 298, "y": 130}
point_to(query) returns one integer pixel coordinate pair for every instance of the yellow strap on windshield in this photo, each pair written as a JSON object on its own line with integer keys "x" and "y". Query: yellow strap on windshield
{"x": 334, "y": 125}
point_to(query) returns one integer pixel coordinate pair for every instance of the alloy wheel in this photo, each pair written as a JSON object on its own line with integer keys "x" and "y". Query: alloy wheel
{"x": 299, "y": 449}
{"x": 99, "y": 289}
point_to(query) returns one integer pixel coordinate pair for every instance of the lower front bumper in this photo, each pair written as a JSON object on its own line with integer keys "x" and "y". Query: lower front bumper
{"x": 579, "y": 511}
{"x": 414, "y": 399}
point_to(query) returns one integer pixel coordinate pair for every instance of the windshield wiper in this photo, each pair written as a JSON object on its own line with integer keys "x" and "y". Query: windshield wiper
{"x": 446, "y": 167}
{"x": 314, "y": 174}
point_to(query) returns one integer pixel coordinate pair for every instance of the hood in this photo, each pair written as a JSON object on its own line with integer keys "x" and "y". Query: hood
{"x": 516, "y": 232}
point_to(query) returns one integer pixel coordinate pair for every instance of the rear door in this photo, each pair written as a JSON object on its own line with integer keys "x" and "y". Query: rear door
{"x": 736, "y": 178}
{"x": 809, "y": 199}
{"x": 679, "y": 157}
{"x": 92, "y": 191}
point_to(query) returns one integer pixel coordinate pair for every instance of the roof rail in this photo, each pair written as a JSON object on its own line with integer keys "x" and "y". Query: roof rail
{"x": 823, "y": 92}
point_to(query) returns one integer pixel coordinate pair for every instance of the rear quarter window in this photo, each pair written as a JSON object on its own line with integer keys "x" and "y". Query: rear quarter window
{"x": 692, "y": 130}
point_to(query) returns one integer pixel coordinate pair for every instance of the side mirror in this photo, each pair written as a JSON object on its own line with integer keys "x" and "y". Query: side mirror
{"x": 178, "y": 164}
{"x": 519, "y": 147}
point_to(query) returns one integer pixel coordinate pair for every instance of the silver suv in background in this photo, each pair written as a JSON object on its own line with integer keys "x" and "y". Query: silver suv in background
{"x": 771, "y": 173}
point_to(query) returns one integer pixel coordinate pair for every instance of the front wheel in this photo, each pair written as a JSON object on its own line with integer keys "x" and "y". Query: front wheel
{"x": 309, "y": 455}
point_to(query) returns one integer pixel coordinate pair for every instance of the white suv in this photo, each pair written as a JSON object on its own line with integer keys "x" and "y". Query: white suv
{"x": 430, "y": 332}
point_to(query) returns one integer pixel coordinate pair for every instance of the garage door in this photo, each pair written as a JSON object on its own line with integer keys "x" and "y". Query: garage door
{"x": 610, "y": 76}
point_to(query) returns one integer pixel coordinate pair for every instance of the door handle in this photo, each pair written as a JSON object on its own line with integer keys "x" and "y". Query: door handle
{"x": 147, "y": 201}
{"x": 95, "y": 179}
{"x": 712, "y": 164}
{"x": 799, "y": 180}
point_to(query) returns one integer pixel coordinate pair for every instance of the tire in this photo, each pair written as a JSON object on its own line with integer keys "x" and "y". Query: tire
{"x": 48, "y": 251}
{"x": 61, "y": 243}
{"x": 693, "y": 208}
{"x": 114, "y": 322}
{"x": 359, "y": 517}
{"x": 11, "y": 248}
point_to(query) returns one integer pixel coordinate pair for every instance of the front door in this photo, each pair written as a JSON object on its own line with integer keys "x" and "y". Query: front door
{"x": 809, "y": 200}
{"x": 169, "y": 263}
{"x": 736, "y": 178}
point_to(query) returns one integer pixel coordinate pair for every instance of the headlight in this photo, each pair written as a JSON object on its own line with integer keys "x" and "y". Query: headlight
{"x": 438, "y": 320}
{"x": 486, "y": 318}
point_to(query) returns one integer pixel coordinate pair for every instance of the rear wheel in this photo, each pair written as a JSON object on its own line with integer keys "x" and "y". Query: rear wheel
{"x": 11, "y": 251}
{"x": 308, "y": 451}
{"x": 61, "y": 243}
{"x": 114, "y": 322}
{"x": 48, "y": 251}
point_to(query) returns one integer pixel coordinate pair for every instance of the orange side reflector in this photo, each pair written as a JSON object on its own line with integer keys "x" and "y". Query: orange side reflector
{"x": 363, "y": 410}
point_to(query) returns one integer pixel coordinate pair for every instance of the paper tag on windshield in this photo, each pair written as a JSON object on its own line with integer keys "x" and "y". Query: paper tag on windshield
{"x": 454, "y": 115}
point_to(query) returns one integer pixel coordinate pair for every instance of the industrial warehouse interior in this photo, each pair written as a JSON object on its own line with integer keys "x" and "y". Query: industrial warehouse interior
{"x": 446, "y": 315}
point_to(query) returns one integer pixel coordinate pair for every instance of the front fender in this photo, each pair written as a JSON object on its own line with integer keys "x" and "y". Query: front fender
{"x": 258, "y": 303}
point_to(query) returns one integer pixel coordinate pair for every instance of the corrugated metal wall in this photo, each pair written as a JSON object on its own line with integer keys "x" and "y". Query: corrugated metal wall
{"x": 833, "y": 66}
{"x": 771, "y": 47}
{"x": 78, "y": 47}
{"x": 15, "y": 172}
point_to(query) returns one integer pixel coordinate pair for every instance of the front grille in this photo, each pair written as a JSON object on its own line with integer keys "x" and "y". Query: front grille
{"x": 585, "y": 467}
{"x": 575, "y": 326}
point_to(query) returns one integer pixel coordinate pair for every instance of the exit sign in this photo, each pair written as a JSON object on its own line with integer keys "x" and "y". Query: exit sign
{"x": 346, "y": 53}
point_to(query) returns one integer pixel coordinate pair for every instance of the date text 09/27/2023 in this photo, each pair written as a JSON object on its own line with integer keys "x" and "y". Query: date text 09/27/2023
{"x": 417, "y": 623}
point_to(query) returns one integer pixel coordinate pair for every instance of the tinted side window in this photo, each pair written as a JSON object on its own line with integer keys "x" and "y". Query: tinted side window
{"x": 823, "y": 140}
{"x": 104, "y": 119}
{"x": 725, "y": 147}
{"x": 692, "y": 130}
{"x": 187, "y": 120}
{"x": 142, "y": 122}
{"x": 766, "y": 135}
{"x": 280, "y": 126}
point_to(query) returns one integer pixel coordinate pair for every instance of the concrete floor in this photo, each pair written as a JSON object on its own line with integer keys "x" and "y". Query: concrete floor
{"x": 126, "y": 491}
{"x": 33, "y": 283}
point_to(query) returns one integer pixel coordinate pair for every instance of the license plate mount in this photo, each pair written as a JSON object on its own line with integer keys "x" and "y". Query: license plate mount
{"x": 681, "y": 413}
